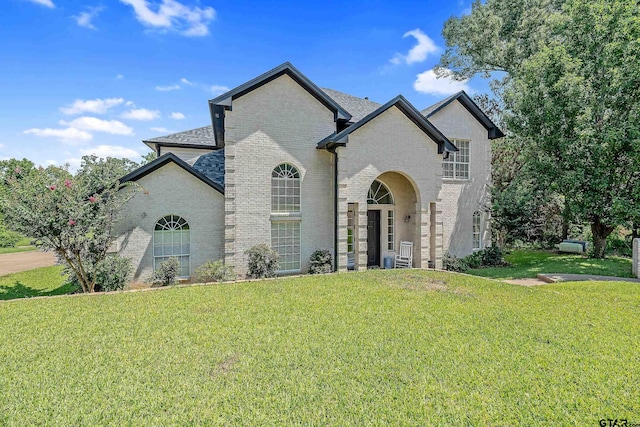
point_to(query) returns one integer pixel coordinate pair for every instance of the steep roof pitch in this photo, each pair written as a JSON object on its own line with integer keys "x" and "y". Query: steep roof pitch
{"x": 169, "y": 158}
{"x": 201, "y": 137}
{"x": 341, "y": 138}
{"x": 358, "y": 107}
{"x": 218, "y": 105}
{"x": 472, "y": 107}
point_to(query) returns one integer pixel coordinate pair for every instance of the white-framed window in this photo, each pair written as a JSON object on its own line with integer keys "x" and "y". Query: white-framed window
{"x": 285, "y": 189}
{"x": 477, "y": 236}
{"x": 285, "y": 239}
{"x": 456, "y": 166}
{"x": 379, "y": 194}
{"x": 391, "y": 228}
{"x": 172, "y": 238}
{"x": 350, "y": 231}
{"x": 285, "y": 221}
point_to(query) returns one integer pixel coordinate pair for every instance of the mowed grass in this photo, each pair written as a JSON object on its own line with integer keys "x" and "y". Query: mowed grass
{"x": 528, "y": 263}
{"x": 43, "y": 281}
{"x": 376, "y": 348}
{"x": 17, "y": 249}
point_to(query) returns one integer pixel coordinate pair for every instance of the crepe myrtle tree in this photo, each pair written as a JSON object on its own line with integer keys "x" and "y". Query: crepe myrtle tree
{"x": 71, "y": 216}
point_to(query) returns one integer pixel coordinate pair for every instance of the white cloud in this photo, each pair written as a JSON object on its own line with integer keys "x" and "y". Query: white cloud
{"x": 177, "y": 116}
{"x": 69, "y": 135}
{"x": 427, "y": 82}
{"x": 110, "y": 151}
{"x": 2, "y": 145}
{"x": 186, "y": 82}
{"x": 96, "y": 106}
{"x": 120, "y": 77}
{"x": 167, "y": 88}
{"x": 419, "y": 52}
{"x": 129, "y": 104}
{"x": 114, "y": 127}
{"x": 84, "y": 19}
{"x": 218, "y": 89}
{"x": 51, "y": 162}
{"x": 161, "y": 130}
{"x": 47, "y": 3}
{"x": 173, "y": 15}
{"x": 140, "y": 114}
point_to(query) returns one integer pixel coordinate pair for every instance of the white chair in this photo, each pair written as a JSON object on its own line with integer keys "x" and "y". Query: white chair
{"x": 404, "y": 259}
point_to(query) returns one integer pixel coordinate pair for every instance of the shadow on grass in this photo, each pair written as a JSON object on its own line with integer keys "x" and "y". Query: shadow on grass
{"x": 20, "y": 290}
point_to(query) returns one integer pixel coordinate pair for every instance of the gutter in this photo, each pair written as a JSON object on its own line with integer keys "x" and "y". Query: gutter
{"x": 335, "y": 207}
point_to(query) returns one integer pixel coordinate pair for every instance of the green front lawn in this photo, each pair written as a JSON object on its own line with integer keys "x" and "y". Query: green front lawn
{"x": 43, "y": 281}
{"x": 528, "y": 263}
{"x": 376, "y": 348}
{"x": 17, "y": 249}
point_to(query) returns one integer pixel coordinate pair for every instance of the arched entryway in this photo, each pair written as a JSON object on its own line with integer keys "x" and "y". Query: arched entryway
{"x": 392, "y": 217}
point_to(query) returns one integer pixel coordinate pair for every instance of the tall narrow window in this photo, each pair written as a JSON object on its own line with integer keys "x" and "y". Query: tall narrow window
{"x": 391, "y": 225}
{"x": 171, "y": 238}
{"x": 477, "y": 238}
{"x": 285, "y": 221}
{"x": 350, "y": 230}
{"x": 456, "y": 166}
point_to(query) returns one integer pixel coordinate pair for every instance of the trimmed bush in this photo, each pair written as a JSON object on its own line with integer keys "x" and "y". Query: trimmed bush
{"x": 167, "y": 272}
{"x": 453, "y": 263}
{"x": 320, "y": 262}
{"x": 215, "y": 271}
{"x": 493, "y": 256}
{"x": 263, "y": 261}
{"x": 112, "y": 273}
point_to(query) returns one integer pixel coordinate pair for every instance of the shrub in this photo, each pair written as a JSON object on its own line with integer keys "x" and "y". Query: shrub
{"x": 493, "y": 257}
{"x": 474, "y": 260}
{"x": 263, "y": 261}
{"x": 112, "y": 273}
{"x": 453, "y": 263}
{"x": 320, "y": 262}
{"x": 215, "y": 271}
{"x": 167, "y": 272}
{"x": 8, "y": 238}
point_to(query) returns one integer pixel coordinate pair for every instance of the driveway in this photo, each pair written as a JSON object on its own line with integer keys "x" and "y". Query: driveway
{"x": 23, "y": 261}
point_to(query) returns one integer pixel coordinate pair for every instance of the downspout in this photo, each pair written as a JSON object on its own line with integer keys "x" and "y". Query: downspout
{"x": 334, "y": 150}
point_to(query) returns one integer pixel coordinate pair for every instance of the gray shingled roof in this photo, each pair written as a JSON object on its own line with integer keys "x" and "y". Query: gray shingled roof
{"x": 357, "y": 107}
{"x": 210, "y": 165}
{"x": 198, "y": 136}
{"x": 437, "y": 105}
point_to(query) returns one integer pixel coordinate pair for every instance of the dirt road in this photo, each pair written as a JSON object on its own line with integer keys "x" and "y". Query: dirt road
{"x": 23, "y": 261}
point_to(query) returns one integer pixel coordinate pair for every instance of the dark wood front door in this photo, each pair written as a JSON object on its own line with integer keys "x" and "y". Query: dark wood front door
{"x": 373, "y": 238}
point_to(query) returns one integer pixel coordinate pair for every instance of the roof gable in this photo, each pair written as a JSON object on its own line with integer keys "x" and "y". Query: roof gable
{"x": 472, "y": 107}
{"x": 218, "y": 105}
{"x": 162, "y": 161}
{"x": 341, "y": 138}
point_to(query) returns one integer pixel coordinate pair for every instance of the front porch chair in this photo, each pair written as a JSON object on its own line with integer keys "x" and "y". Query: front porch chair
{"x": 404, "y": 258}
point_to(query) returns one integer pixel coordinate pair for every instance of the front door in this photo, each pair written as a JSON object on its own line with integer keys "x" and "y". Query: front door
{"x": 373, "y": 238}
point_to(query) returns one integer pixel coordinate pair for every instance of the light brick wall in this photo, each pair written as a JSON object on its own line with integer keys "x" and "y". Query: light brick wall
{"x": 171, "y": 190}
{"x": 279, "y": 122}
{"x": 389, "y": 143}
{"x": 460, "y": 199}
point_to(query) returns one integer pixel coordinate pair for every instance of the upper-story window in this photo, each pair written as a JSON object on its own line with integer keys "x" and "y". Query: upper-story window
{"x": 456, "y": 166}
{"x": 285, "y": 189}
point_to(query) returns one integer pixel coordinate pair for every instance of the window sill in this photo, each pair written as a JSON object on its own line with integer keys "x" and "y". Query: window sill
{"x": 455, "y": 180}
{"x": 286, "y": 217}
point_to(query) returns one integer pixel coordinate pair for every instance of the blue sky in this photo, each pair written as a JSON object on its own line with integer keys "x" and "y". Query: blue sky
{"x": 80, "y": 77}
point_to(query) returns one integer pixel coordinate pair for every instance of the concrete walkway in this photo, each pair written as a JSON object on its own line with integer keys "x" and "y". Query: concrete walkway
{"x": 559, "y": 277}
{"x": 23, "y": 261}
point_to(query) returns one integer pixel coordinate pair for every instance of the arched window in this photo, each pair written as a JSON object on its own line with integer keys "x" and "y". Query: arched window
{"x": 285, "y": 220}
{"x": 477, "y": 236}
{"x": 171, "y": 238}
{"x": 285, "y": 189}
{"x": 379, "y": 194}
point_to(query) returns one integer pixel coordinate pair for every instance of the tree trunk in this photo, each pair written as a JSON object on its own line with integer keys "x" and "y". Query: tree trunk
{"x": 600, "y": 232}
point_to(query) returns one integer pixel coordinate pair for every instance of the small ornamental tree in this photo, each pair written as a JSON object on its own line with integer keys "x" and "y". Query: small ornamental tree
{"x": 71, "y": 216}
